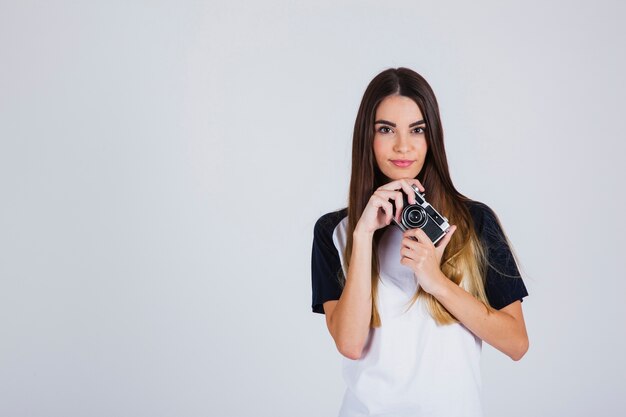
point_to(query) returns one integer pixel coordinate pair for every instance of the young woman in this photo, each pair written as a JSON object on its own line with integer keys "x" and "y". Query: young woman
{"x": 410, "y": 316}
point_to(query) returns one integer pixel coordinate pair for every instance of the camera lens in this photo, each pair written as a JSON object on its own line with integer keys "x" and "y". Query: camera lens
{"x": 414, "y": 216}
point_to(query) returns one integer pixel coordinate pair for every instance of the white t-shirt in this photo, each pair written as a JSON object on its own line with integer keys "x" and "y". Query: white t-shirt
{"x": 410, "y": 366}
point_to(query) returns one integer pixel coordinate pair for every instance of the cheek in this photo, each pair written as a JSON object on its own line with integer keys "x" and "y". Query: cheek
{"x": 423, "y": 147}
{"x": 378, "y": 148}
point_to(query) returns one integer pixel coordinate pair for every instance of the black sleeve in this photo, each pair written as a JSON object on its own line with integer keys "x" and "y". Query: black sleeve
{"x": 504, "y": 283}
{"x": 325, "y": 265}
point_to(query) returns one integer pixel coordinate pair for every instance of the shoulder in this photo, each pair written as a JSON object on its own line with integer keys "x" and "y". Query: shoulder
{"x": 484, "y": 216}
{"x": 479, "y": 212}
{"x": 503, "y": 281}
{"x": 326, "y": 258}
{"x": 326, "y": 224}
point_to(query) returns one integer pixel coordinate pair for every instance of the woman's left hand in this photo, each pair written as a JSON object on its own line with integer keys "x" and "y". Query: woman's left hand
{"x": 424, "y": 258}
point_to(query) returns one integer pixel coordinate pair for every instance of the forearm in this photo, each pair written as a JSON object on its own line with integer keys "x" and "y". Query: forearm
{"x": 499, "y": 329}
{"x": 350, "y": 322}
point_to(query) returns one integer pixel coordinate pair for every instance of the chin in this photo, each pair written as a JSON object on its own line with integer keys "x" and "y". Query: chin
{"x": 396, "y": 175}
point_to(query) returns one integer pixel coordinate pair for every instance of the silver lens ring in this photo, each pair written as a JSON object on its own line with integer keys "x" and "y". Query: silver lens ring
{"x": 414, "y": 216}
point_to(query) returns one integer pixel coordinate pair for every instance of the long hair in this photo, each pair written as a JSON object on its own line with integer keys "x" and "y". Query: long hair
{"x": 464, "y": 258}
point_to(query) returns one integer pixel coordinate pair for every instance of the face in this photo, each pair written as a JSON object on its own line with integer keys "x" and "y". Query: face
{"x": 400, "y": 138}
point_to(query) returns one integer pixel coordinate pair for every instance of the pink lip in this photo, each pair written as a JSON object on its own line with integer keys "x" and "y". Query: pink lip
{"x": 401, "y": 163}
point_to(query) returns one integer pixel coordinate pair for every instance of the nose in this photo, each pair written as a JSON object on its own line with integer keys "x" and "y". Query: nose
{"x": 402, "y": 144}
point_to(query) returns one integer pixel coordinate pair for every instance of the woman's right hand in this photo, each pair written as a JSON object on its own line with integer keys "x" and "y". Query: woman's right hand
{"x": 378, "y": 211}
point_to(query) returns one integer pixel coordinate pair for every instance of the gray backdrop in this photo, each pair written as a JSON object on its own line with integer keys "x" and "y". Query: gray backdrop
{"x": 163, "y": 164}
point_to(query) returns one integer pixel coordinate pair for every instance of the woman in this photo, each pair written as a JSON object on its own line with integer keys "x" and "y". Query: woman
{"x": 410, "y": 316}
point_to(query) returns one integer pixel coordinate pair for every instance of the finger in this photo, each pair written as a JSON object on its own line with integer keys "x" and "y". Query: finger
{"x": 392, "y": 195}
{"x": 420, "y": 235}
{"x": 410, "y": 243}
{"x": 387, "y": 195}
{"x": 388, "y": 211}
{"x": 404, "y": 185}
{"x": 418, "y": 183}
{"x": 399, "y": 206}
{"x": 441, "y": 245}
{"x": 412, "y": 181}
{"x": 377, "y": 202}
{"x": 406, "y": 254}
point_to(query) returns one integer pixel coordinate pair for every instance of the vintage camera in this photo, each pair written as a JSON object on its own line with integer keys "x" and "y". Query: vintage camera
{"x": 422, "y": 215}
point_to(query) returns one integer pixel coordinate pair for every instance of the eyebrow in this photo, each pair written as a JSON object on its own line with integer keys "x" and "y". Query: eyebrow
{"x": 381, "y": 121}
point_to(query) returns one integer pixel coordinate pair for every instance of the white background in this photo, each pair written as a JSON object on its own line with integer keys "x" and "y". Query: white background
{"x": 162, "y": 165}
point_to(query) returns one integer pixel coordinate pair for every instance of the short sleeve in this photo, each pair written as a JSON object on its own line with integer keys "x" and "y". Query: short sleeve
{"x": 503, "y": 282}
{"x": 325, "y": 264}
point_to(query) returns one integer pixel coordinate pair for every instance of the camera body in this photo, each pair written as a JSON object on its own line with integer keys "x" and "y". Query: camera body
{"x": 422, "y": 215}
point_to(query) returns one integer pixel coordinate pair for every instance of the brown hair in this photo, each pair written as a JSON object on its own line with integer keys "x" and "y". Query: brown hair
{"x": 464, "y": 258}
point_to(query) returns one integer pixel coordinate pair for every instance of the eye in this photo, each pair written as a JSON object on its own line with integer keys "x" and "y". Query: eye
{"x": 421, "y": 130}
{"x": 380, "y": 129}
